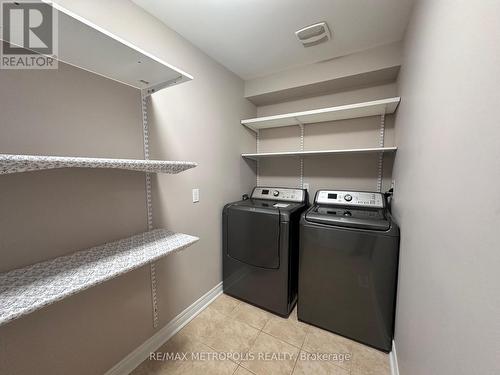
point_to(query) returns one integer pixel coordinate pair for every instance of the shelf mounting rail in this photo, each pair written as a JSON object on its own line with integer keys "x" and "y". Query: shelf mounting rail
{"x": 149, "y": 204}
{"x": 381, "y": 143}
{"x": 257, "y": 138}
{"x": 301, "y": 126}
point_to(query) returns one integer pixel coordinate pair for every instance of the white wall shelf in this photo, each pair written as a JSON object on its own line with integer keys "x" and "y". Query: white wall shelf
{"x": 25, "y": 290}
{"x": 256, "y": 156}
{"x": 26, "y": 163}
{"x": 350, "y": 111}
{"x": 88, "y": 46}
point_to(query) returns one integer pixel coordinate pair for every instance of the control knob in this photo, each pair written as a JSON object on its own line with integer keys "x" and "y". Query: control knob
{"x": 276, "y": 193}
{"x": 348, "y": 197}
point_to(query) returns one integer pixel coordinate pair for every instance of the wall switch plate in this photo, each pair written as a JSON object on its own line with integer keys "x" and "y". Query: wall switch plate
{"x": 196, "y": 195}
{"x": 305, "y": 185}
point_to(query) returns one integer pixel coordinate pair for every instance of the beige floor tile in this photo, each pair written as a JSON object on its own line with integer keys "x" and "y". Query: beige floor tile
{"x": 321, "y": 341}
{"x": 271, "y": 356}
{"x": 206, "y": 367}
{"x": 293, "y": 316}
{"x": 198, "y": 367}
{"x": 186, "y": 348}
{"x": 307, "y": 364}
{"x": 221, "y": 327}
{"x": 243, "y": 371}
{"x": 181, "y": 342}
{"x": 369, "y": 361}
{"x": 231, "y": 336}
{"x": 288, "y": 330}
{"x": 205, "y": 324}
{"x": 225, "y": 304}
{"x": 251, "y": 315}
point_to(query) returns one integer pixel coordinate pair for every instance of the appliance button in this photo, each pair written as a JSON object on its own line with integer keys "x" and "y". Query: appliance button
{"x": 347, "y": 213}
{"x": 348, "y": 197}
{"x": 276, "y": 193}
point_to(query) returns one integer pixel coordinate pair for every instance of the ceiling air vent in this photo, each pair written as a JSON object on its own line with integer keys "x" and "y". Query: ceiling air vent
{"x": 313, "y": 35}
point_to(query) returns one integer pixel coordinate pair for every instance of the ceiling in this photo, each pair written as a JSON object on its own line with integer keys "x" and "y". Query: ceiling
{"x": 254, "y": 38}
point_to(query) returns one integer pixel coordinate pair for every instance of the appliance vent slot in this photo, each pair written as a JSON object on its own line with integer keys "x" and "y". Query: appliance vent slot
{"x": 314, "y": 34}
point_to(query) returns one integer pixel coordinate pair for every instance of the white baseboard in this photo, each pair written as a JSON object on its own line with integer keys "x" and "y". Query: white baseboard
{"x": 393, "y": 358}
{"x": 131, "y": 361}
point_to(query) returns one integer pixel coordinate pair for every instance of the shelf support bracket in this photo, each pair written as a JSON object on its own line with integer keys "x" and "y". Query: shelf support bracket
{"x": 151, "y": 90}
{"x": 149, "y": 204}
{"x": 381, "y": 154}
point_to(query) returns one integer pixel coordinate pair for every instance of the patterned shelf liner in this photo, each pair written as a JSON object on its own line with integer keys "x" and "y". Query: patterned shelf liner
{"x": 27, "y": 163}
{"x": 25, "y": 290}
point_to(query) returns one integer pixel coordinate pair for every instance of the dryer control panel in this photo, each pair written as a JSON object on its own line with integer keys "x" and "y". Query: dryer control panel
{"x": 279, "y": 194}
{"x": 350, "y": 198}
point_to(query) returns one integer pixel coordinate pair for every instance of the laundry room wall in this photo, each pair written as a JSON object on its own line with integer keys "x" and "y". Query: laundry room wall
{"x": 349, "y": 171}
{"x": 447, "y": 174}
{"x": 372, "y": 67}
{"x": 49, "y": 213}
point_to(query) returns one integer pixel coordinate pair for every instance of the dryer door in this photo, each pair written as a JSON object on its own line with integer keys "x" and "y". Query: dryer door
{"x": 253, "y": 236}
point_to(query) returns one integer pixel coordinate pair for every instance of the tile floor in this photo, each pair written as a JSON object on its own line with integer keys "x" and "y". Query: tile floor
{"x": 232, "y": 337}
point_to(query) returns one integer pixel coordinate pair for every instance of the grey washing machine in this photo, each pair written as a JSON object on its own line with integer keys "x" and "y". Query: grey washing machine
{"x": 348, "y": 264}
{"x": 260, "y": 248}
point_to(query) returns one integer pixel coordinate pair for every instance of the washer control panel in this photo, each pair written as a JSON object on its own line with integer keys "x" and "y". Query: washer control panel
{"x": 350, "y": 198}
{"x": 279, "y": 194}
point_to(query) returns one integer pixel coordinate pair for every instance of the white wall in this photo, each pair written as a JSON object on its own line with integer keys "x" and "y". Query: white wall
{"x": 331, "y": 75}
{"x": 447, "y": 175}
{"x": 49, "y": 213}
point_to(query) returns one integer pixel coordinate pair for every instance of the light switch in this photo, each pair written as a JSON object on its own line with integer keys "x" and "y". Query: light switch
{"x": 196, "y": 195}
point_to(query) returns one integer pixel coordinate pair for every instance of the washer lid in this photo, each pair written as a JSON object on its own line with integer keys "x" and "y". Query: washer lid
{"x": 374, "y": 219}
